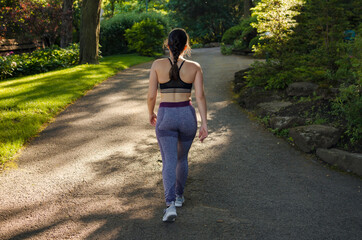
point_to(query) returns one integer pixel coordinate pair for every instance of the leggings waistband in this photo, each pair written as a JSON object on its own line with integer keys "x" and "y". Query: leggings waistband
{"x": 175, "y": 104}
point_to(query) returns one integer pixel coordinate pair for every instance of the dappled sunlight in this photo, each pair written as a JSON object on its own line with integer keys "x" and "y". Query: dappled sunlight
{"x": 95, "y": 173}
{"x": 45, "y": 95}
{"x": 103, "y": 177}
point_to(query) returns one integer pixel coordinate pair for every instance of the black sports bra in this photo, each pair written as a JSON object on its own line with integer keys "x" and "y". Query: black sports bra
{"x": 176, "y": 86}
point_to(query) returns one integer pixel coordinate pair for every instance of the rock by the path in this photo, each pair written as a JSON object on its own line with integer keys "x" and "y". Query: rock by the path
{"x": 253, "y": 96}
{"x": 327, "y": 93}
{"x": 343, "y": 159}
{"x": 269, "y": 108}
{"x": 309, "y": 138}
{"x": 280, "y": 123}
{"x": 299, "y": 89}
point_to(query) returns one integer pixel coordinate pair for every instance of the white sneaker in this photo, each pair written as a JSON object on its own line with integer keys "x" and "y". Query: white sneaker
{"x": 179, "y": 201}
{"x": 170, "y": 213}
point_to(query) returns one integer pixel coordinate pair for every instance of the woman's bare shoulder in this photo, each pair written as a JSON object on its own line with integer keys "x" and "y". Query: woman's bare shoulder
{"x": 160, "y": 62}
{"x": 193, "y": 64}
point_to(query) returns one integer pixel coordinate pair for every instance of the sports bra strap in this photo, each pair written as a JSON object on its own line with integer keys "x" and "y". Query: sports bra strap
{"x": 180, "y": 65}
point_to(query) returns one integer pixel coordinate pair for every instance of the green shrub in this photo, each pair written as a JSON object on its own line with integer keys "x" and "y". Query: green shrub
{"x": 349, "y": 104}
{"x": 146, "y": 37}
{"x": 350, "y": 62}
{"x": 279, "y": 80}
{"x": 240, "y": 44}
{"x": 243, "y": 31}
{"x": 232, "y": 34}
{"x": 239, "y": 37}
{"x": 226, "y": 49}
{"x": 272, "y": 75}
{"x": 197, "y": 45}
{"x": 38, "y": 61}
{"x": 112, "y": 32}
{"x": 260, "y": 73}
{"x": 254, "y": 42}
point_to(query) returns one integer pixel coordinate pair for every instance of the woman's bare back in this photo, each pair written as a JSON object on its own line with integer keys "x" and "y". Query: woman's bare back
{"x": 187, "y": 74}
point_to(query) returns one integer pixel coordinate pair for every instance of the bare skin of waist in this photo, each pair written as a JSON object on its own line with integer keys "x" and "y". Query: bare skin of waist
{"x": 175, "y": 97}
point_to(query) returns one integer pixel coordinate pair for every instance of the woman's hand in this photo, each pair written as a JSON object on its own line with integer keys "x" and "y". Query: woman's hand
{"x": 153, "y": 119}
{"x": 203, "y": 132}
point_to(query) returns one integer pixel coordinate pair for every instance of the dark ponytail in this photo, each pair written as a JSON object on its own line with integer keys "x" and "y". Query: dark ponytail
{"x": 177, "y": 40}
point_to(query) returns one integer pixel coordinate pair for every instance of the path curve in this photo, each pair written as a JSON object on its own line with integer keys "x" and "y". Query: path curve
{"x": 95, "y": 173}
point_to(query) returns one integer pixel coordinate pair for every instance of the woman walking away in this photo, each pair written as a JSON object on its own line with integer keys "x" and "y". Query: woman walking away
{"x": 175, "y": 122}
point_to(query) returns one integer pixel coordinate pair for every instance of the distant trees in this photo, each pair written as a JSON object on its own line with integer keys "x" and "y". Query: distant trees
{"x": 206, "y": 21}
{"x": 30, "y": 20}
{"x": 67, "y": 23}
{"x": 111, "y": 6}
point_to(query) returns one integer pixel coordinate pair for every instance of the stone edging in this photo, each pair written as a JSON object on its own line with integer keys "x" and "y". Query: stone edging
{"x": 317, "y": 139}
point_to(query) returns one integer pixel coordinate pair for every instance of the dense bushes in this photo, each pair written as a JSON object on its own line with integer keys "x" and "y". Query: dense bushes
{"x": 112, "y": 35}
{"x": 42, "y": 60}
{"x": 240, "y": 37}
{"x": 349, "y": 105}
{"x": 349, "y": 100}
{"x": 31, "y": 20}
{"x": 309, "y": 55}
{"x": 232, "y": 34}
{"x": 313, "y": 47}
{"x": 146, "y": 37}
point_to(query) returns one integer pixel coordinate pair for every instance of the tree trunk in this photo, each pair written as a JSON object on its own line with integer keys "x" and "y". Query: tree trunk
{"x": 89, "y": 31}
{"x": 247, "y": 5}
{"x": 67, "y": 24}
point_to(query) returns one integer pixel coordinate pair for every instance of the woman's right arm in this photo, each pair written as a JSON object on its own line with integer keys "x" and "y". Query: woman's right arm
{"x": 152, "y": 94}
{"x": 201, "y": 103}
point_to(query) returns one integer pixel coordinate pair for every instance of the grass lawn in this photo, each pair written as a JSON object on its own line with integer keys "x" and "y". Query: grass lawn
{"x": 26, "y": 103}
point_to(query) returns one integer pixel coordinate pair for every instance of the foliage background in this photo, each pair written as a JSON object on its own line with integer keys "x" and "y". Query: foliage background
{"x": 206, "y": 21}
{"x": 309, "y": 44}
{"x": 112, "y": 38}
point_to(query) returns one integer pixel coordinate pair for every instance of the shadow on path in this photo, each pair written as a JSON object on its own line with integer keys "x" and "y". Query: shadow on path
{"x": 95, "y": 173}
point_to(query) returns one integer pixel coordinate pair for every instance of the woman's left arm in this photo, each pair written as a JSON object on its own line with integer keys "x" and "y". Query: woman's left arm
{"x": 152, "y": 95}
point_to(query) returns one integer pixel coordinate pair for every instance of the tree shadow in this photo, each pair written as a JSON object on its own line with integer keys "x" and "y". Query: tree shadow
{"x": 244, "y": 183}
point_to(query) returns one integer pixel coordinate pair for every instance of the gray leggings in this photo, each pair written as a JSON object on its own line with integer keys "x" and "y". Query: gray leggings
{"x": 175, "y": 130}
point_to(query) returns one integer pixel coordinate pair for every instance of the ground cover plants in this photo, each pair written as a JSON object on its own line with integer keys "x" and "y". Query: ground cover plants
{"x": 26, "y": 103}
{"x": 38, "y": 61}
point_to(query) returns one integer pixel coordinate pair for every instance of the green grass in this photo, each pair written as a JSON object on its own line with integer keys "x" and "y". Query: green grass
{"x": 26, "y": 103}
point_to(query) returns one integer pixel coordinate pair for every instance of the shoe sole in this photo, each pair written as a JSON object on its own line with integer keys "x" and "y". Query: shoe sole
{"x": 170, "y": 218}
{"x": 178, "y": 205}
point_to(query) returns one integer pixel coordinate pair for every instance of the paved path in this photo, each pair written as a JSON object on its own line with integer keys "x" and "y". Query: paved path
{"x": 95, "y": 173}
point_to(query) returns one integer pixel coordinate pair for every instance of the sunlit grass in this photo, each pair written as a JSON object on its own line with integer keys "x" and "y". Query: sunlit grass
{"x": 26, "y": 103}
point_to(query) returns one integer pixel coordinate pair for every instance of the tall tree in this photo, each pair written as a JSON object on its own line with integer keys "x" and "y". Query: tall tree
{"x": 276, "y": 20}
{"x": 67, "y": 24}
{"x": 89, "y": 31}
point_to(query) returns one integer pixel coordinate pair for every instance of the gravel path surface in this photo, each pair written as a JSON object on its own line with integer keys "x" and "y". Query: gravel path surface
{"x": 95, "y": 173}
